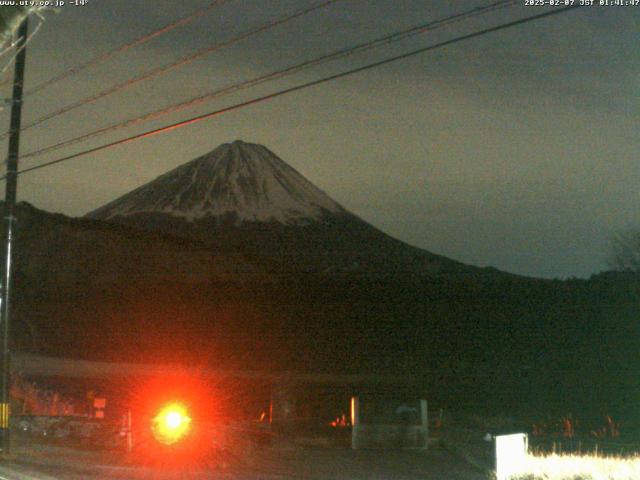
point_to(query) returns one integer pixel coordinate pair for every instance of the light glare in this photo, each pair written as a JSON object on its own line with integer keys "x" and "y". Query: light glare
{"x": 171, "y": 424}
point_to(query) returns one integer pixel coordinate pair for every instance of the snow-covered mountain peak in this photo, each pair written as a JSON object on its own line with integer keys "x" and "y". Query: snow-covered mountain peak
{"x": 239, "y": 180}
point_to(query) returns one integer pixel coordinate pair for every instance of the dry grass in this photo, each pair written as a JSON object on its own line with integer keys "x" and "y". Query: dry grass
{"x": 580, "y": 467}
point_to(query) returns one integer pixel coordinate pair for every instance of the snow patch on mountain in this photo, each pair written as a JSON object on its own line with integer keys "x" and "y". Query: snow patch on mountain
{"x": 244, "y": 180}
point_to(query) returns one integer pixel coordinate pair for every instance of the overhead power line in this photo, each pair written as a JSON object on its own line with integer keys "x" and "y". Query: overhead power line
{"x": 279, "y": 74}
{"x": 178, "y": 63}
{"x": 296, "y": 88}
{"x": 127, "y": 46}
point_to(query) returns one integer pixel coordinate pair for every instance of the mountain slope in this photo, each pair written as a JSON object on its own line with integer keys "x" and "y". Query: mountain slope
{"x": 104, "y": 291}
{"x": 242, "y": 198}
{"x": 239, "y": 181}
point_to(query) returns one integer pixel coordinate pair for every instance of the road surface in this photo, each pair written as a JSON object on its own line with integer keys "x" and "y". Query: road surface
{"x": 312, "y": 463}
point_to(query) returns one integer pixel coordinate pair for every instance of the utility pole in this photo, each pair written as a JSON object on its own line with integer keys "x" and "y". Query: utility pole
{"x": 9, "y": 212}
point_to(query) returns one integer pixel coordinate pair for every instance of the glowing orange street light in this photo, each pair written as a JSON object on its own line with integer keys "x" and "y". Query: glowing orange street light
{"x": 171, "y": 424}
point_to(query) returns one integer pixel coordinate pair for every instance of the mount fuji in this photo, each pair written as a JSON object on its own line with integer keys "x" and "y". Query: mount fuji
{"x": 235, "y": 183}
{"x": 241, "y": 198}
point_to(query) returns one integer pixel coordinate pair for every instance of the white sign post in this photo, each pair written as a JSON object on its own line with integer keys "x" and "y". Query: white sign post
{"x": 511, "y": 453}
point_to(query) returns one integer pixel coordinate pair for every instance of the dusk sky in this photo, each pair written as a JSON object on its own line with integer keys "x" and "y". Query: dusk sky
{"x": 516, "y": 150}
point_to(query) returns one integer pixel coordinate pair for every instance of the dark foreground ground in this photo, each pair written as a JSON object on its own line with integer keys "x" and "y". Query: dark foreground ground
{"x": 47, "y": 462}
